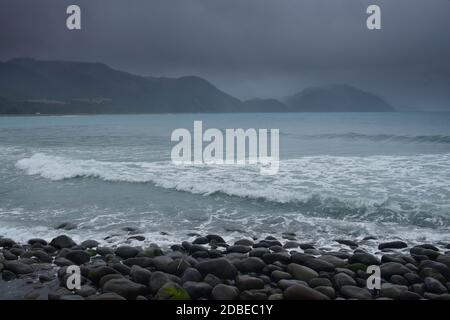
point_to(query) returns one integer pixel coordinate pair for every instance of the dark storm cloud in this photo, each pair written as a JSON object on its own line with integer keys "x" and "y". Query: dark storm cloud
{"x": 248, "y": 47}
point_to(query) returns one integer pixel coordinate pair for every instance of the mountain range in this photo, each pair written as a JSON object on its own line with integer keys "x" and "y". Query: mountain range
{"x": 29, "y": 86}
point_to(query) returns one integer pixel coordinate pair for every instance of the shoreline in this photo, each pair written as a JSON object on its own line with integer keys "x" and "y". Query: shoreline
{"x": 209, "y": 268}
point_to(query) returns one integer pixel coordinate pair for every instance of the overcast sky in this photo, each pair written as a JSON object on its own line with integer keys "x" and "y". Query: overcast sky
{"x": 249, "y": 48}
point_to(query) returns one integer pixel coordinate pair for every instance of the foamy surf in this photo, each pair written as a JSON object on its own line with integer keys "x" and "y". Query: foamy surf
{"x": 403, "y": 189}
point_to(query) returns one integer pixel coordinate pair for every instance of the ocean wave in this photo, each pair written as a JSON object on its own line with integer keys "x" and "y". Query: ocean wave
{"x": 444, "y": 139}
{"x": 391, "y": 188}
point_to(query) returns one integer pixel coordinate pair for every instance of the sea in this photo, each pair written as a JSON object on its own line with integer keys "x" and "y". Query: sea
{"x": 341, "y": 176}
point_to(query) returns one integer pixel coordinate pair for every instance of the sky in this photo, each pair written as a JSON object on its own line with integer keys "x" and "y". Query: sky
{"x": 250, "y": 48}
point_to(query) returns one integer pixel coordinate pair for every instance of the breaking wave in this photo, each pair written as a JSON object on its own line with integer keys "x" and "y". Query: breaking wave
{"x": 409, "y": 189}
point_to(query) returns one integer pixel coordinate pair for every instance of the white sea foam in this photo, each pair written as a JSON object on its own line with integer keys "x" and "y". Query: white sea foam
{"x": 400, "y": 189}
{"x": 349, "y": 177}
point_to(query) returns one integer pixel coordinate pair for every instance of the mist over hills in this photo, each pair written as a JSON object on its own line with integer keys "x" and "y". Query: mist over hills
{"x": 337, "y": 98}
{"x": 29, "y": 86}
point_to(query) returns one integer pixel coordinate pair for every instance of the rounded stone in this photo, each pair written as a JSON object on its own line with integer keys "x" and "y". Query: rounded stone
{"x": 123, "y": 287}
{"x": 301, "y": 292}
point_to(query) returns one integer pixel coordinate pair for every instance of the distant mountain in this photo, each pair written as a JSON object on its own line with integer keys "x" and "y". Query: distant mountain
{"x": 264, "y": 105}
{"x": 336, "y": 98}
{"x": 29, "y": 86}
{"x": 33, "y": 86}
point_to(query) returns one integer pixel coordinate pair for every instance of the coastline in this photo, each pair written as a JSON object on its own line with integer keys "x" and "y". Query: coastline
{"x": 209, "y": 268}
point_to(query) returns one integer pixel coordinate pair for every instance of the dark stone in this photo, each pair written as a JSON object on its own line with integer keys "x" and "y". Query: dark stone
{"x": 62, "y": 262}
{"x": 201, "y": 240}
{"x": 249, "y": 283}
{"x": 419, "y": 251}
{"x": 89, "y": 244}
{"x": 392, "y": 258}
{"x": 96, "y": 273}
{"x": 6, "y": 242}
{"x": 36, "y": 240}
{"x": 197, "y": 290}
{"x": 225, "y": 292}
{"x": 353, "y": 292}
{"x": 124, "y": 288}
{"x": 335, "y": 261}
{"x": 258, "y": 252}
{"x": 412, "y": 278}
{"x": 177, "y": 266}
{"x": 49, "y": 249}
{"x": 143, "y": 262}
{"x": 277, "y": 249}
{"x": 194, "y": 248}
{"x": 428, "y": 246}
{"x": 253, "y": 295}
{"x": 301, "y": 292}
{"x": 8, "y": 275}
{"x": 71, "y": 297}
{"x": 244, "y": 242}
{"x": 45, "y": 278}
{"x": 200, "y": 255}
{"x": 171, "y": 291}
{"x": 364, "y": 258}
{"x": 157, "y": 280}
{"x": 393, "y": 291}
{"x": 239, "y": 249}
{"x": 251, "y": 264}
{"x": 398, "y": 279}
{"x": 9, "y": 255}
{"x": 41, "y": 255}
{"x": 215, "y": 238}
{"x": 106, "y": 296}
{"x": 191, "y": 275}
{"x": 434, "y": 286}
{"x": 348, "y": 271}
{"x": 18, "y": 267}
{"x": 162, "y": 263}
{"x": 86, "y": 291}
{"x": 440, "y": 267}
{"x": 78, "y": 257}
{"x": 302, "y": 273}
{"x": 282, "y": 257}
{"x": 62, "y": 241}
{"x": 319, "y": 265}
{"x": 392, "y": 245}
{"x": 126, "y": 252}
{"x": 278, "y": 275}
{"x": 326, "y": 290}
{"x": 342, "y": 279}
{"x": 432, "y": 296}
{"x": 121, "y": 268}
{"x": 212, "y": 280}
{"x": 433, "y": 273}
{"x": 390, "y": 268}
{"x": 306, "y": 246}
{"x": 291, "y": 245}
{"x": 445, "y": 259}
{"x": 103, "y": 251}
{"x": 140, "y": 275}
{"x": 137, "y": 238}
{"x": 286, "y": 283}
{"x": 214, "y": 253}
{"x": 177, "y": 247}
{"x": 221, "y": 268}
{"x": 319, "y": 282}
